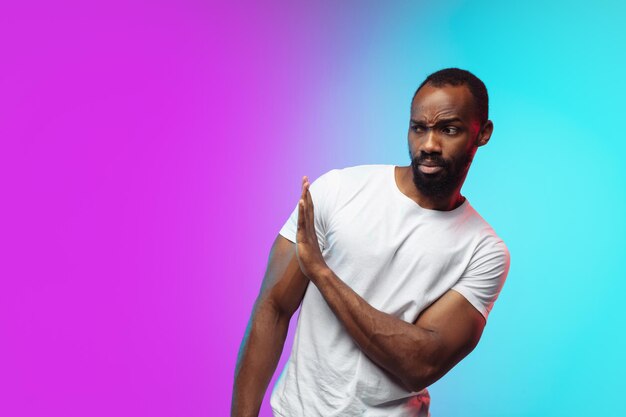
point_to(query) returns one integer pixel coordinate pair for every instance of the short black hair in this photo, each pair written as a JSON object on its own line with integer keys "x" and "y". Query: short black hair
{"x": 456, "y": 77}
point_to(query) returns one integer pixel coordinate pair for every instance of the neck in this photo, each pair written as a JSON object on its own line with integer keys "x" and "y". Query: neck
{"x": 404, "y": 181}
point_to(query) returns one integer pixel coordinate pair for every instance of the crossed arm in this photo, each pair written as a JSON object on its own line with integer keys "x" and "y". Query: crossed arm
{"x": 415, "y": 354}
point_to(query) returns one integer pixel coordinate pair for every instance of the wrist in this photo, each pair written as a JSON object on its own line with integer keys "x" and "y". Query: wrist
{"x": 320, "y": 274}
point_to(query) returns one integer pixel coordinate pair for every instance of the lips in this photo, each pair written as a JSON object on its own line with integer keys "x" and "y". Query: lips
{"x": 429, "y": 168}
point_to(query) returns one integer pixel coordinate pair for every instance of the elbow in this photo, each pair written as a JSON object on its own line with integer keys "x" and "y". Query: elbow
{"x": 424, "y": 368}
{"x": 419, "y": 378}
{"x": 274, "y": 309}
{"x": 430, "y": 368}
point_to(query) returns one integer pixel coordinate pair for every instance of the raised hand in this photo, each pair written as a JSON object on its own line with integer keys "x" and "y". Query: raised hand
{"x": 307, "y": 247}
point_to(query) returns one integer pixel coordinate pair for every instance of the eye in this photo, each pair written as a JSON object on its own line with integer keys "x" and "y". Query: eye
{"x": 417, "y": 128}
{"x": 450, "y": 130}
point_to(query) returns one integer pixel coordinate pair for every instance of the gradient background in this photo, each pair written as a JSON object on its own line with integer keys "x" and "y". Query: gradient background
{"x": 150, "y": 152}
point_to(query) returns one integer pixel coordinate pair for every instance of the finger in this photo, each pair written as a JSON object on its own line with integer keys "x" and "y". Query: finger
{"x": 309, "y": 198}
{"x": 304, "y": 181}
{"x": 301, "y": 216}
{"x": 310, "y": 207}
{"x": 306, "y": 208}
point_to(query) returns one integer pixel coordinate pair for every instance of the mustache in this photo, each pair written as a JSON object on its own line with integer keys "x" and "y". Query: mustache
{"x": 429, "y": 159}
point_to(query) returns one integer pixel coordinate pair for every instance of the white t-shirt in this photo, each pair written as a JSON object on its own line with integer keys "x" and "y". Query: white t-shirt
{"x": 400, "y": 258}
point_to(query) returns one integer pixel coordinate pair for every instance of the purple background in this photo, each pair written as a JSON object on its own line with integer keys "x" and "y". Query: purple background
{"x": 144, "y": 176}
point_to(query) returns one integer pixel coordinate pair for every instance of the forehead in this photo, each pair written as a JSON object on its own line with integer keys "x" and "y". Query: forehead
{"x": 432, "y": 103}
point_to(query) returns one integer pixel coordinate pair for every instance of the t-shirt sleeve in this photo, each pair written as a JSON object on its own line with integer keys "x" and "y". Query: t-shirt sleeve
{"x": 483, "y": 279}
{"x": 321, "y": 189}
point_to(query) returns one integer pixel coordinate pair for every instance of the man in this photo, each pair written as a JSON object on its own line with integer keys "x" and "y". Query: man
{"x": 395, "y": 270}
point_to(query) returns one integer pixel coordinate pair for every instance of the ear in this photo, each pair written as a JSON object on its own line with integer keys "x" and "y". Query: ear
{"x": 485, "y": 133}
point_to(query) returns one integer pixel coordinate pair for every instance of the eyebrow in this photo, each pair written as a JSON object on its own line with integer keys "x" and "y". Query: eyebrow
{"x": 440, "y": 122}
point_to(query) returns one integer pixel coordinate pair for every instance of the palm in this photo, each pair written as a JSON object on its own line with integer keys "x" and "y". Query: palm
{"x": 307, "y": 247}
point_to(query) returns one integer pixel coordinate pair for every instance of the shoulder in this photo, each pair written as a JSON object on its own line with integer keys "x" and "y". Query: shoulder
{"x": 487, "y": 242}
{"x": 488, "y": 266}
{"x": 340, "y": 184}
{"x": 486, "y": 238}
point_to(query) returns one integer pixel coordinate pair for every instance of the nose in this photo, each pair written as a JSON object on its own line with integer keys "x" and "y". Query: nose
{"x": 431, "y": 142}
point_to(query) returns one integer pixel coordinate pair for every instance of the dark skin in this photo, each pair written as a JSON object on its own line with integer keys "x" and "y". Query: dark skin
{"x": 443, "y": 122}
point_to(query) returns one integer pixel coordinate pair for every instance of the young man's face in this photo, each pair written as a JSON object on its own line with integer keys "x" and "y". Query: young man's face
{"x": 444, "y": 133}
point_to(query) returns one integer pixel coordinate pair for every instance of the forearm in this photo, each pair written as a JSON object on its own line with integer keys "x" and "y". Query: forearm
{"x": 258, "y": 356}
{"x": 403, "y": 349}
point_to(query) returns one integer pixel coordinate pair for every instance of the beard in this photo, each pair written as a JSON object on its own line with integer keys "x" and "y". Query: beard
{"x": 444, "y": 182}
